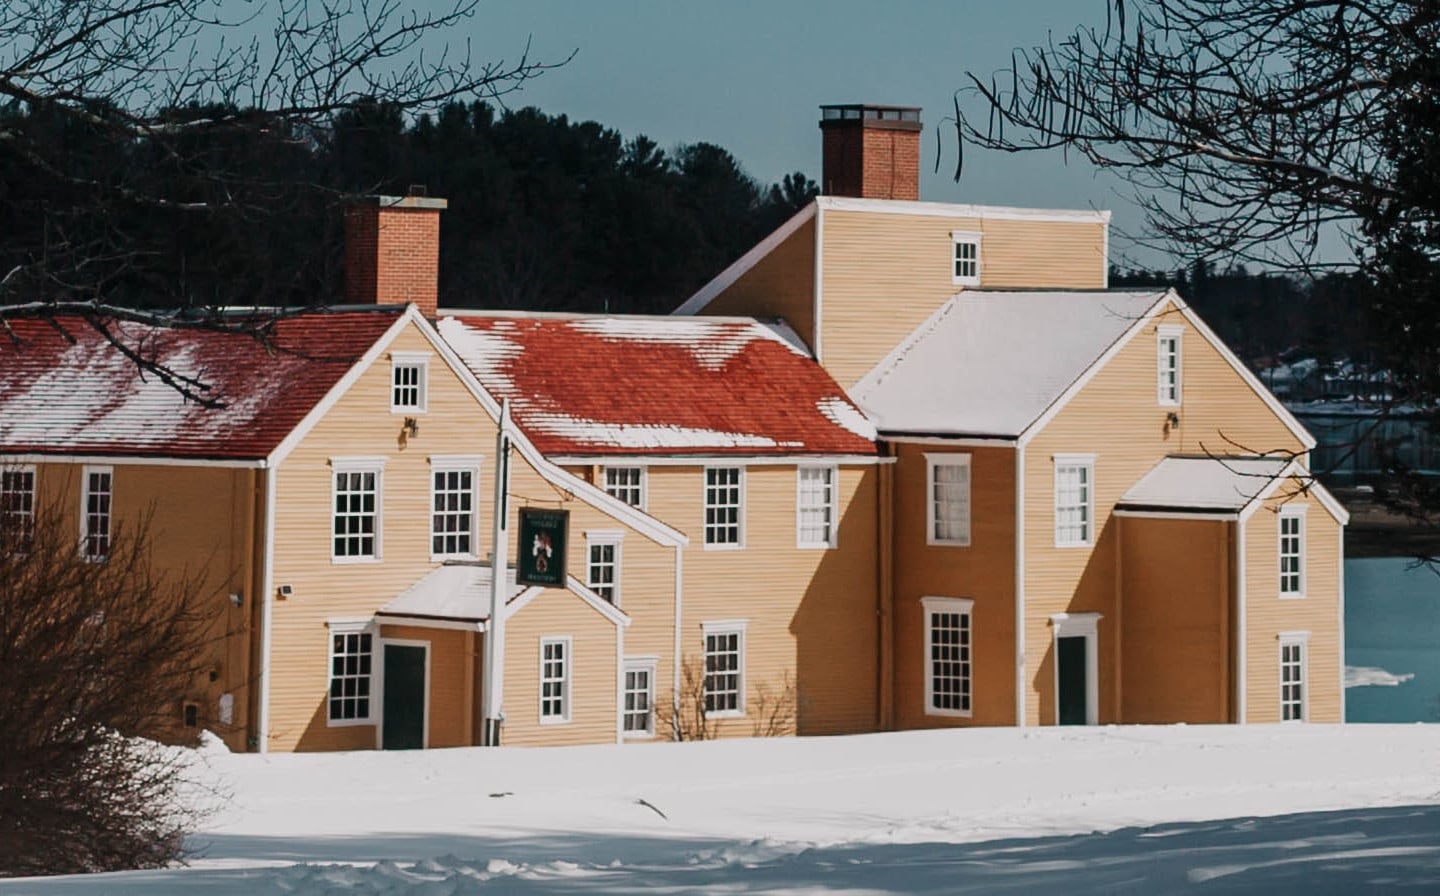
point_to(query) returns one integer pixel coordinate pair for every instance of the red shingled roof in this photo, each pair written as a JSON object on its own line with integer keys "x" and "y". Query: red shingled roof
{"x": 81, "y": 396}
{"x": 590, "y": 385}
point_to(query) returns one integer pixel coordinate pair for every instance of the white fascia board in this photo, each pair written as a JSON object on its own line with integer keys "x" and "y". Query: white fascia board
{"x": 1226, "y": 517}
{"x": 956, "y": 441}
{"x": 429, "y": 622}
{"x": 718, "y": 460}
{"x": 572, "y": 585}
{"x": 641, "y": 522}
{"x": 1295, "y": 470}
{"x": 337, "y": 391}
{"x": 1084, "y": 378}
{"x": 962, "y": 210}
{"x": 726, "y": 278}
{"x": 1273, "y": 403}
{"x": 116, "y": 460}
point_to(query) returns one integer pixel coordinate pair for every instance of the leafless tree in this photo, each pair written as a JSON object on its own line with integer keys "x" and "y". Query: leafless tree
{"x": 98, "y": 657}
{"x": 1247, "y": 127}
{"x": 772, "y": 709}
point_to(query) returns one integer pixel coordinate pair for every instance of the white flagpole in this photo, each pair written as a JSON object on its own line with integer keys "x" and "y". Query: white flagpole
{"x": 494, "y": 684}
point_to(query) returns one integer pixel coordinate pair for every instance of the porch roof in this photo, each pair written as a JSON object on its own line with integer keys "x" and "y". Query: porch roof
{"x": 1204, "y": 485}
{"x": 454, "y": 592}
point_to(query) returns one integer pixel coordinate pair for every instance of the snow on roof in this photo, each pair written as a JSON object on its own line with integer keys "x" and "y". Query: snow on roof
{"x": 455, "y": 591}
{"x": 64, "y": 389}
{"x": 1204, "y": 484}
{"x": 990, "y": 362}
{"x": 591, "y": 385}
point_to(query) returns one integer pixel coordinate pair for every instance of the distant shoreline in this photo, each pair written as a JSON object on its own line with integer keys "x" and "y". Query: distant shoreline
{"x": 1377, "y": 532}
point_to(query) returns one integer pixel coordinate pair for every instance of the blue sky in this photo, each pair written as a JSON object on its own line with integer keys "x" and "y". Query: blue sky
{"x": 749, "y": 76}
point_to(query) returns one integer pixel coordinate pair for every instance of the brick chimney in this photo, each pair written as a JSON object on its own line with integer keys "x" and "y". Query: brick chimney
{"x": 871, "y": 151}
{"x": 392, "y": 251}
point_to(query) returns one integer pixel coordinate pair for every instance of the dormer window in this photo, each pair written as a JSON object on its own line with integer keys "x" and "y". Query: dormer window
{"x": 409, "y": 372}
{"x": 966, "y": 270}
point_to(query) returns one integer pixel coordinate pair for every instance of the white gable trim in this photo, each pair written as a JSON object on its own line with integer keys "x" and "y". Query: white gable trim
{"x": 711, "y": 460}
{"x": 131, "y": 460}
{"x": 572, "y": 585}
{"x": 1280, "y": 411}
{"x": 1056, "y": 406}
{"x": 337, "y": 391}
{"x": 1295, "y": 470}
{"x": 726, "y": 278}
{"x": 962, "y": 210}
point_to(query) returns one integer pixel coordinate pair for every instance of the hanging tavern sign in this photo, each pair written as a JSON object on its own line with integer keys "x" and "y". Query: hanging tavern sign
{"x": 544, "y": 535}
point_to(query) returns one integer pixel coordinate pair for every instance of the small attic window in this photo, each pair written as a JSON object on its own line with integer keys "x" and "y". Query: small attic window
{"x": 966, "y": 270}
{"x": 409, "y": 373}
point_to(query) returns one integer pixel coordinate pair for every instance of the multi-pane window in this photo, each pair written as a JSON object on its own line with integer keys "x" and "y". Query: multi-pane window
{"x": 17, "y": 507}
{"x": 815, "y": 507}
{"x": 1167, "y": 360}
{"x": 408, "y": 375}
{"x": 602, "y": 569}
{"x": 96, "y": 500}
{"x": 948, "y": 649}
{"x": 1292, "y": 553}
{"x": 452, "y": 509}
{"x": 1074, "y": 501}
{"x": 725, "y": 668}
{"x": 351, "y": 660}
{"x": 355, "y": 533}
{"x": 724, "y": 497}
{"x": 949, "y": 504}
{"x": 554, "y": 680}
{"x": 967, "y": 258}
{"x": 638, "y": 715}
{"x": 1292, "y": 677}
{"x": 627, "y": 484}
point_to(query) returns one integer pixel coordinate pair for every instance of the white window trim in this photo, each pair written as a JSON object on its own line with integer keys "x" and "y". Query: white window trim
{"x": 832, "y": 506}
{"x": 1287, "y": 639}
{"x": 456, "y": 464}
{"x": 567, "y": 679}
{"x": 1078, "y": 625}
{"x": 932, "y": 460}
{"x": 335, "y": 627}
{"x": 1074, "y": 460}
{"x": 85, "y": 473}
{"x": 644, "y": 482}
{"x": 1295, "y": 512}
{"x": 374, "y": 465}
{"x": 23, "y": 469}
{"x": 966, "y": 236}
{"x": 616, "y": 539}
{"x": 931, "y": 605}
{"x": 1163, "y": 333}
{"x": 704, "y": 489}
{"x": 650, "y": 664}
{"x": 726, "y": 627}
{"x": 411, "y": 359}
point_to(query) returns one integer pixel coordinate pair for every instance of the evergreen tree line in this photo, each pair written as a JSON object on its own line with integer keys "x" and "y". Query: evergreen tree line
{"x": 544, "y": 213}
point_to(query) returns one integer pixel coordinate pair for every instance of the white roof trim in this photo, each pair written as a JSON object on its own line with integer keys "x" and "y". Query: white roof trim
{"x": 702, "y": 460}
{"x": 428, "y": 622}
{"x": 1039, "y": 423}
{"x": 965, "y": 210}
{"x": 641, "y": 522}
{"x": 1322, "y": 495}
{"x": 1219, "y": 517}
{"x": 324, "y": 405}
{"x": 572, "y": 585}
{"x": 726, "y": 278}
{"x": 1296, "y": 429}
{"x": 132, "y": 460}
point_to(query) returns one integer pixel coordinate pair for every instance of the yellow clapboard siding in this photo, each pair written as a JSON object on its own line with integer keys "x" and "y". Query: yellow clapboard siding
{"x": 1175, "y": 638}
{"x": 883, "y": 274}
{"x": 593, "y": 670}
{"x": 782, "y": 284}
{"x": 1318, "y": 612}
{"x": 1117, "y": 417}
{"x": 983, "y": 571}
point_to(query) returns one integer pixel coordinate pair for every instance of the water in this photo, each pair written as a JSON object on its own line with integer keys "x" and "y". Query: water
{"x": 1392, "y": 621}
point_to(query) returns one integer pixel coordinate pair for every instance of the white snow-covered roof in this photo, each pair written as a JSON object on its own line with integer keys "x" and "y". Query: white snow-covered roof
{"x": 1221, "y": 485}
{"x": 457, "y": 592}
{"x": 990, "y": 362}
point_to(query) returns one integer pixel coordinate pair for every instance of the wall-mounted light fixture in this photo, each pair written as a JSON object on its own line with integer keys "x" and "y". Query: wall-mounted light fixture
{"x": 284, "y": 591}
{"x": 1172, "y": 419}
{"x": 236, "y": 598}
{"x": 412, "y": 427}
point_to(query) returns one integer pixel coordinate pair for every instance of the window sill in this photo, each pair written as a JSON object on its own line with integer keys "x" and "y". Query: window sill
{"x": 950, "y": 713}
{"x": 355, "y": 561}
{"x": 465, "y": 558}
{"x": 725, "y": 547}
{"x": 1075, "y": 544}
{"x": 554, "y": 721}
{"x": 639, "y": 735}
{"x": 814, "y": 546}
{"x": 939, "y": 543}
{"x": 350, "y": 723}
{"x": 1300, "y": 596}
{"x": 726, "y": 714}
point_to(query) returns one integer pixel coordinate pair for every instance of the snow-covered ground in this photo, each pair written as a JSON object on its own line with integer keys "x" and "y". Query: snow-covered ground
{"x": 1276, "y": 809}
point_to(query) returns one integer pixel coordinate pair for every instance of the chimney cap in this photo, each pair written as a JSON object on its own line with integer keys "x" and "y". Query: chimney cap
{"x": 870, "y": 115}
{"x": 416, "y": 202}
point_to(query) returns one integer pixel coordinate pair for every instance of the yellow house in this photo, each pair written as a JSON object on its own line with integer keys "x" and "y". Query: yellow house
{"x": 1095, "y": 512}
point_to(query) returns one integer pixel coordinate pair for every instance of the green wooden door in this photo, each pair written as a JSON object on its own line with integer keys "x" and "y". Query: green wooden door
{"x": 404, "y": 701}
{"x": 1070, "y": 657}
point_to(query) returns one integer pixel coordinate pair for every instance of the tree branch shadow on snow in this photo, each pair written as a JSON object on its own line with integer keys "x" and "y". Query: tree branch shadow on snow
{"x": 1358, "y": 850}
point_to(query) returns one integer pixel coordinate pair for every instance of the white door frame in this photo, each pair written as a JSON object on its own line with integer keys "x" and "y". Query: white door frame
{"x": 380, "y": 703}
{"x": 1078, "y": 625}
